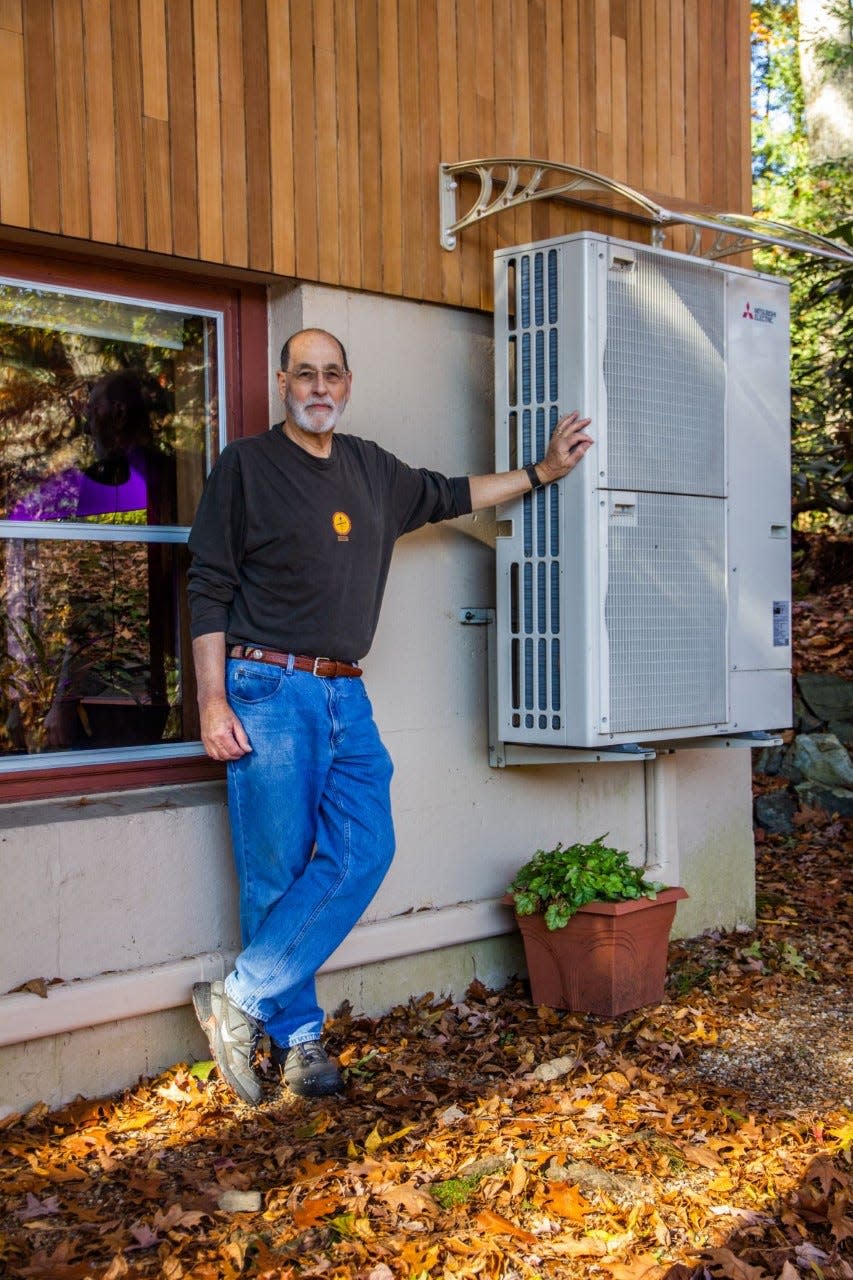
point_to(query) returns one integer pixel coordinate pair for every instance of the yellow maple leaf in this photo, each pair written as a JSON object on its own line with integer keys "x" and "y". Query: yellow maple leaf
{"x": 375, "y": 1141}
{"x": 844, "y": 1136}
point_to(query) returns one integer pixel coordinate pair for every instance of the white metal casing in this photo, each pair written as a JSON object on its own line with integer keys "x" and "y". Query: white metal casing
{"x": 645, "y": 597}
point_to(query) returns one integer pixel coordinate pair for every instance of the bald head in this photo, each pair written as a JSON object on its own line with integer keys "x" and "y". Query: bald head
{"x": 286, "y": 349}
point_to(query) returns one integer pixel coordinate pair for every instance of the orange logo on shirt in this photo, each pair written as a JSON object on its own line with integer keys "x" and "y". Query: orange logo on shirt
{"x": 341, "y": 524}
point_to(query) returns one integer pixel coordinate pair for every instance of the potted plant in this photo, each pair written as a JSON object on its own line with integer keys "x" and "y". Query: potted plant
{"x": 595, "y": 930}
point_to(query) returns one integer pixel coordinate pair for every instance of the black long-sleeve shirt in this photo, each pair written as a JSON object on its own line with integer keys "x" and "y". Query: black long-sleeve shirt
{"x": 291, "y": 551}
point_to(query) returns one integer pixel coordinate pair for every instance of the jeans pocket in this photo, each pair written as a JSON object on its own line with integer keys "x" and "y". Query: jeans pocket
{"x": 253, "y": 682}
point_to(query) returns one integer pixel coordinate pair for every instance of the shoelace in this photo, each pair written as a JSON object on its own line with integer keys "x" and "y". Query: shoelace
{"x": 312, "y": 1052}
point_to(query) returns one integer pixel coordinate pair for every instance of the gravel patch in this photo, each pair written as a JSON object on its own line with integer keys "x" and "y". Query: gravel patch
{"x": 798, "y": 1055}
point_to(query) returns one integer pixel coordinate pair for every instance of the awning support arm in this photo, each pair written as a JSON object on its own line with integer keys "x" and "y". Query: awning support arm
{"x": 509, "y": 183}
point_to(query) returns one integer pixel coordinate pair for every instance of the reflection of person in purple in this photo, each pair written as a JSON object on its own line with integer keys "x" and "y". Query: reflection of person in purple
{"x": 117, "y": 482}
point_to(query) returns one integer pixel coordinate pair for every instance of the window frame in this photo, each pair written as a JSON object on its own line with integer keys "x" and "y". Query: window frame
{"x": 243, "y": 388}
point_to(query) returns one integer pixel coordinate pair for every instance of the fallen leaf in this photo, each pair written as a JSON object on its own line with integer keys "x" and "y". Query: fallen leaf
{"x": 725, "y": 1263}
{"x": 700, "y": 1155}
{"x": 375, "y": 1142}
{"x": 310, "y": 1211}
{"x": 565, "y": 1200}
{"x": 409, "y": 1197}
{"x": 35, "y": 1208}
{"x": 177, "y": 1216}
{"x": 143, "y": 1235}
{"x": 35, "y": 986}
{"x": 644, "y": 1267}
{"x": 138, "y": 1120}
{"x": 500, "y": 1226}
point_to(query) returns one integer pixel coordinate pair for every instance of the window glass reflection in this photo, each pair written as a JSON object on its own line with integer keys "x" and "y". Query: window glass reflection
{"x": 92, "y": 638}
{"x": 108, "y": 417}
{"x": 116, "y": 424}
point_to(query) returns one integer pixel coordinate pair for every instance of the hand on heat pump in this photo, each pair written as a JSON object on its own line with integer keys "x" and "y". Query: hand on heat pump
{"x": 568, "y": 444}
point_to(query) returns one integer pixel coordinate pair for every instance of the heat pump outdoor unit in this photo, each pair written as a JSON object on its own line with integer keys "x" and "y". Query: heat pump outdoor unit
{"x": 646, "y": 597}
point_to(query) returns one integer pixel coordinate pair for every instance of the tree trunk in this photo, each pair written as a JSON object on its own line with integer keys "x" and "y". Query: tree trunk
{"x": 827, "y": 88}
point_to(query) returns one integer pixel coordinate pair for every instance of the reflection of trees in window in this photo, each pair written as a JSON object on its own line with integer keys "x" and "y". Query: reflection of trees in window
{"x": 107, "y": 417}
{"x": 90, "y": 643}
{"x": 46, "y": 382}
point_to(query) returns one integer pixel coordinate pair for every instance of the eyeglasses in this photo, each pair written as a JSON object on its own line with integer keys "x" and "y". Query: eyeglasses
{"x": 333, "y": 375}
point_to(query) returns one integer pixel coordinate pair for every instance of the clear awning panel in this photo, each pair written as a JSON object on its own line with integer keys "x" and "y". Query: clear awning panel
{"x": 496, "y": 184}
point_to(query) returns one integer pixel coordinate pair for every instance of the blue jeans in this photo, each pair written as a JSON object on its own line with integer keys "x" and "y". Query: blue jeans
{"x": 311, "y": 827}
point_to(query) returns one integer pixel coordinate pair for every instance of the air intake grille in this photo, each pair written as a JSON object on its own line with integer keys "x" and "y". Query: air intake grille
{"x": 665, "y": 613}
{"x": 665, "y": 377}
{"x": 534, "y": 576}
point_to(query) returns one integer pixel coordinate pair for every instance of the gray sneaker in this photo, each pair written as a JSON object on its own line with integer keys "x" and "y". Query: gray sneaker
{"x": 231, "y": 1035}
{"x": 307, "y": 1069}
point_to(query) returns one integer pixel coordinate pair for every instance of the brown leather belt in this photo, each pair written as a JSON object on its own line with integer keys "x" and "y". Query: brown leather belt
{"x": 324, "y": 667}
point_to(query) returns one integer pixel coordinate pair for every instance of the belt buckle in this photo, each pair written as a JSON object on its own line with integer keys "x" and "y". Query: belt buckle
{"x": 314, "y": 670}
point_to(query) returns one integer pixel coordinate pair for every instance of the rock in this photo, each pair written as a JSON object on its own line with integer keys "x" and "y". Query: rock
{"x": 843, "y": 730}
{"x": 769, "y": 761}
{"x": 828, "y": 697}
{"x": 832, "y": 799}
{"x": 804, "y": 720}
{"x": 623, "y": 1188}
{"x": 240, "y": 1201}
{"x": 775, "y": 812}
{"x": 820, "y": 757}
{"x": 555, "y": 1068}
{"x": 490, "y": 1164}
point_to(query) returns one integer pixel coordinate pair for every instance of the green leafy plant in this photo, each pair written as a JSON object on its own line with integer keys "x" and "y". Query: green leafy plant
{"x": 558, "y": 882}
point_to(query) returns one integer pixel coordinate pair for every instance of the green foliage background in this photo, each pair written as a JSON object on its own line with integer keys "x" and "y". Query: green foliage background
{"x": 788, "y": 187}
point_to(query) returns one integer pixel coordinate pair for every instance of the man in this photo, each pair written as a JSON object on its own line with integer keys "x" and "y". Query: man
{"x": 291, "y": 548}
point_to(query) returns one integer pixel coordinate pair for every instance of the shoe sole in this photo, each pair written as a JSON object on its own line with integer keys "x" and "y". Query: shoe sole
{"x": 314, "y": 1089}
{"x": 207, "y": 1021}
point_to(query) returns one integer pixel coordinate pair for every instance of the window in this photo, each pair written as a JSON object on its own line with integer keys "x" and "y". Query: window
{"x": 112, "y": 410}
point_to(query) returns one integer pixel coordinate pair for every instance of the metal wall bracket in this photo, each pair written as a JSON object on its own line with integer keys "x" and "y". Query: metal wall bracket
{"x": 506, "y": 754}
{"x": 756, "y": 740}
{"x": 509, "y": 183}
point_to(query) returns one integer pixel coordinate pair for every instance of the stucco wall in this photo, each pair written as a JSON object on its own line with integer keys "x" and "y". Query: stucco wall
{"x": 139, "y": 882}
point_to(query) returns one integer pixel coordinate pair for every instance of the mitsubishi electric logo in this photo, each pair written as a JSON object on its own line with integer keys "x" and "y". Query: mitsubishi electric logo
{"x": 759, "y": 313}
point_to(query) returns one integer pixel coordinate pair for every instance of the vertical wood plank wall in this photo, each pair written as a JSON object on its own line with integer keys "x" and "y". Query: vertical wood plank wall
{"x": 302, "y": 138}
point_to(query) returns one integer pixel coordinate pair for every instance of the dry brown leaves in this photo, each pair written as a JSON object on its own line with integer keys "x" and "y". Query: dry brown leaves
{"x": 451, "y": 1155}
{"x": 823, "y": 605}
{"x": 489, "y": 1138}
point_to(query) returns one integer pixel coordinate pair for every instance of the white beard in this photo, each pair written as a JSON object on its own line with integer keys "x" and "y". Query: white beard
{"x": 299, "y": 414}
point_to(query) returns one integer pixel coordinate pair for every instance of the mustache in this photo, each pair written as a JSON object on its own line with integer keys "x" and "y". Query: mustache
{"x": 325, "y": 402}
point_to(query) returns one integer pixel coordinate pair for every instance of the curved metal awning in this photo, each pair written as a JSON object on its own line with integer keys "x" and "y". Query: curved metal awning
{"x": 509, "y": 183}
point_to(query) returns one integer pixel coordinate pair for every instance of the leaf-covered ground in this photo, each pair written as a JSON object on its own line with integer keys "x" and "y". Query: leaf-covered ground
{"x": 711, "y": 1136}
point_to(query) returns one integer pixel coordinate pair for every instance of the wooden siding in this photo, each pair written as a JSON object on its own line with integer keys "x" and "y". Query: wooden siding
{"x": 303, "y": 139}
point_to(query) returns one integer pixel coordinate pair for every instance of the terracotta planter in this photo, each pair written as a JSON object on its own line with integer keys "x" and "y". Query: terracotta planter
{"x": 609, "y": 958}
